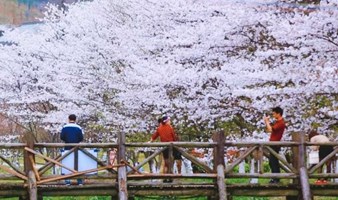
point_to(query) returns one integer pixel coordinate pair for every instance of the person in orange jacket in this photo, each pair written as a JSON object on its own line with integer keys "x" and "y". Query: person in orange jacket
{"x": 167, "y": 134}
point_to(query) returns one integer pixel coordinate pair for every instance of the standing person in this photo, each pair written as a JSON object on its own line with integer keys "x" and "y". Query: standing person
{"x": 323, "y": 152}
{"x": 167, "y": 134}
{"x": 72, "y": 133}
{"x": 276, "y": 131}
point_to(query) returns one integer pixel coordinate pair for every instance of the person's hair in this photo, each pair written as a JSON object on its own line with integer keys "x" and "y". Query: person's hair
{"x": 165, "y": 119}
{"x": 159, "y": 120}
{"x": 72, "y": 117}
{"x": 278, "y": 110}
{"x": 312, "y": 134}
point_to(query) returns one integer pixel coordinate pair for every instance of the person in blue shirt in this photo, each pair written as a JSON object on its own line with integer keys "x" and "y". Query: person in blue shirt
{"x": 72, "y": 133}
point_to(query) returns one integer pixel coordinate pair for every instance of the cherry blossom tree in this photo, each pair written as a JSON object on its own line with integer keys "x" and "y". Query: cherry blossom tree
{"x": 206, "y": 63}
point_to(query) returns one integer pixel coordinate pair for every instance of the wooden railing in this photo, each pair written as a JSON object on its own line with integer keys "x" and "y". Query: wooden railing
{"x": 36, "y": 176}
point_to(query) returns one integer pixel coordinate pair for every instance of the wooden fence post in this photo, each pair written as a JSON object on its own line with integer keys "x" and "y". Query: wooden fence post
{"x": 33, "y": 192}
{"x": 28, "y": 165}
{"x": 218, "y": 152}
{"x": 295, "y": 152}
{"x": 298, "y": 162}
{"x": 295, "y": 137}
{"x": 122, "y": 172}
{"x": 76, "y": 159}
{"x": 219, "y": 149}
{"x": 303, "y": 175}
{"x": 222, "y": 193}
{"x": 29, "y": 139}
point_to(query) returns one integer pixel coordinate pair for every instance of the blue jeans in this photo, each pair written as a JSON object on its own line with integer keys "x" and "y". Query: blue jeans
{"x": 79, "y": 181}
{"x": 67, "y": 181}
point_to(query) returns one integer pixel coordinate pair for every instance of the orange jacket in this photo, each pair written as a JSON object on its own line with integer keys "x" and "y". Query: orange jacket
{"x": 166, "y": 133}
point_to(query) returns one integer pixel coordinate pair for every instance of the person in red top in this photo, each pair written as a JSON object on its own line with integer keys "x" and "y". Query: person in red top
{"x": 167, "y": 134}
{"x": 276, "y": 129}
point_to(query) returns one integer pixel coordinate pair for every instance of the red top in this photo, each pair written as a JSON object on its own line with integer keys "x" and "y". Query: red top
{"x": 277, "y": 130}
{"x": 166, "y": 133}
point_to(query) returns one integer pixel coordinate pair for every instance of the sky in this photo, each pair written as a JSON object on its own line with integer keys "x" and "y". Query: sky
{"x": 18, "y": 12}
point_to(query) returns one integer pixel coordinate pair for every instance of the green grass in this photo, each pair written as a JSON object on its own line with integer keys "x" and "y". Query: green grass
{"x": 77, "y": 198}
{"x": 171, "y": 198}
{"x": 174, "y": 198}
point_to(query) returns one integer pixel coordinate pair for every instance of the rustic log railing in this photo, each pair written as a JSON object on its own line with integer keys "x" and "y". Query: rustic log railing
{"x": 123, "y": 180}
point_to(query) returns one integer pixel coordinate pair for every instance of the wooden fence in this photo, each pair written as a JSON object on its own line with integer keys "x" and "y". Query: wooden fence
{"x": 39, "y": 174}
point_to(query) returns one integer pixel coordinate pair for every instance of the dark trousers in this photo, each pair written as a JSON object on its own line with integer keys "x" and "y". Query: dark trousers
{"x": 323, "y": 152}
{"x": 273, "y": 161}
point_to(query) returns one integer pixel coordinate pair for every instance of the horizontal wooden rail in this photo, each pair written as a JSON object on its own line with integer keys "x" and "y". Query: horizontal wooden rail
{"x": 254, "y": 143}
{"x": 179, "y": 144}
{"x": 174, "y": 176}
{"x": 321, "y": 144}
{"x": 12, "y": 145}
{"x": 265, "y": 175}
{"x": 85, "y": 145}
